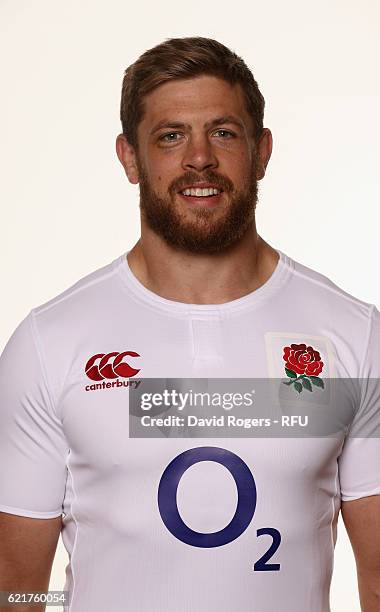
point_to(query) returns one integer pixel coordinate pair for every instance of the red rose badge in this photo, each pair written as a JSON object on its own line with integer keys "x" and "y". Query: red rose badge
{"x": 303, "y": 365}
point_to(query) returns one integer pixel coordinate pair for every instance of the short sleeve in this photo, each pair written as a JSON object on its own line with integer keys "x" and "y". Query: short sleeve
{"x": 359, "y": 462}
{"x": 33, "y": 449}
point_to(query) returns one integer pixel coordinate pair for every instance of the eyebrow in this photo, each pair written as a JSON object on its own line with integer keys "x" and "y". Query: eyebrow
{"x": 209, "y": 124}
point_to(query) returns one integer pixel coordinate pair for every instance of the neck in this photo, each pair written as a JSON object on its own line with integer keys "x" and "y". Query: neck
{"x": 202, "y": 278}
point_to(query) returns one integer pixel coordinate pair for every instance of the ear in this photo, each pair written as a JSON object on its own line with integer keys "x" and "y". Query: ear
{"x": 263, "y": 152}
{"x": 127, "y": 158}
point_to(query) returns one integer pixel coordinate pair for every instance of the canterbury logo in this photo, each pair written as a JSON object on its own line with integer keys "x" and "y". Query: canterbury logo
{"x": 110, "y": 365}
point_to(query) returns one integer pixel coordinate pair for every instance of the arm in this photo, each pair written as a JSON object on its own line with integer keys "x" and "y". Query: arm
{"x": 27, "y": 548}
{"x": 362, "y": 521}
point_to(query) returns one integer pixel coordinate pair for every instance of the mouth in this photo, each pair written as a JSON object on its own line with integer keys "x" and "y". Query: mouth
{"x": 206, "y": 195}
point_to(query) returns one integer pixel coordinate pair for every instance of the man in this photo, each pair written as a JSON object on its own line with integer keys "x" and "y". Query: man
{"x": 160, "y": 521}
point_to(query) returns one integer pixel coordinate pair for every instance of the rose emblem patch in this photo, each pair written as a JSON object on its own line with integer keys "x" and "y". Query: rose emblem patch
{"x": 303, "y": 364}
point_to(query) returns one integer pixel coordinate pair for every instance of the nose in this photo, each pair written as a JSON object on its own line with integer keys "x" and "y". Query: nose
{"x": 199, "y": 154}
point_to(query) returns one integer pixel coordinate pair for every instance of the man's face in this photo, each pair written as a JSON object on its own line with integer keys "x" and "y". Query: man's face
{"x": 197, "y": 164}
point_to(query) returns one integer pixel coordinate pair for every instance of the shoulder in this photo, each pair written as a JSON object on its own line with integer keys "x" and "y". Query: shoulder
{"x": 315, "y": 301}
{"x": 313, "y": 289}
{"x": 83, "y": 300}
{"x": 83, "y": 289}
{"x": 325, "y": 287}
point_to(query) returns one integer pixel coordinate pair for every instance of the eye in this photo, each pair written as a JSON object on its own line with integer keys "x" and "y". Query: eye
{"x": 225, "y": 133}
{"x": 170, "y": 137}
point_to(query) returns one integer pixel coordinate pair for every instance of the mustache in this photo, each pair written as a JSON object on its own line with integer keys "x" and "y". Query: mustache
{"x": 220, "y": 181}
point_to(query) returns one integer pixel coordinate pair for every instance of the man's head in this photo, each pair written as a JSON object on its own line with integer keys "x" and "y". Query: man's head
{"x": 192, "y": 118}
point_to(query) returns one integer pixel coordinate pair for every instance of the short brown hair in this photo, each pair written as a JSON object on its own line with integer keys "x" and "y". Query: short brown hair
{"x": 181, "y": 58}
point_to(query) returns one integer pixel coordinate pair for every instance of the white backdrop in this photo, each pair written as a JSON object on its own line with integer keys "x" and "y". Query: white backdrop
{"x": 66, "y": 205}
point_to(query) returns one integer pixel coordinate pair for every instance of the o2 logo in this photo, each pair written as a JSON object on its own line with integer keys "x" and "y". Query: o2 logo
{"x": 247, "y": 496}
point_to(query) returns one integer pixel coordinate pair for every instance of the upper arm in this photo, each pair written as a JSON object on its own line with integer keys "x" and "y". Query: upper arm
{"x": 359, "y": 461}
{"x": 27, "y": 548}
{"x": 359, "y": 473}
{"x": 362, "y": 521}
{"x": 33, "y": 471}
{"x": 33, "y": 447}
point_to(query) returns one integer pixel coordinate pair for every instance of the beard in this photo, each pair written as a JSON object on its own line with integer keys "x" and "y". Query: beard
{"x": 207, "y": 231}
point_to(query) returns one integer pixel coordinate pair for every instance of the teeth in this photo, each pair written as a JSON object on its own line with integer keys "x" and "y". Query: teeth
{"x": 201, "y": 192}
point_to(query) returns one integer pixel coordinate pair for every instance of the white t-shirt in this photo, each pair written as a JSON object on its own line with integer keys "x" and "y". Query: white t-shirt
{"x": 180, "y": 524}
